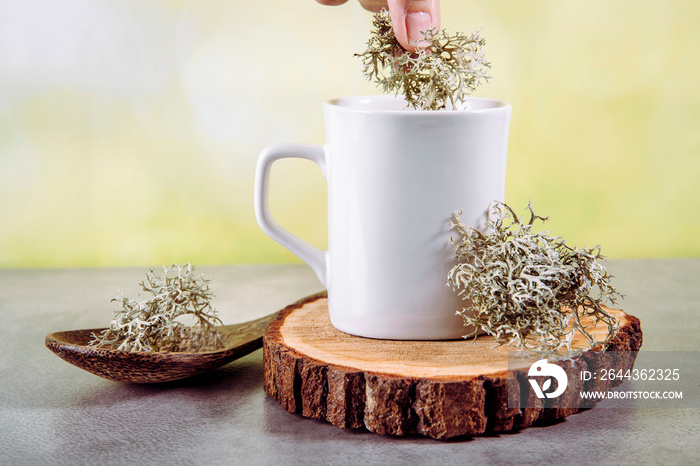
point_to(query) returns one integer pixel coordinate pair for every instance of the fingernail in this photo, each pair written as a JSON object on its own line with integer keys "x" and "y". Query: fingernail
{"x": 416, "y": 25}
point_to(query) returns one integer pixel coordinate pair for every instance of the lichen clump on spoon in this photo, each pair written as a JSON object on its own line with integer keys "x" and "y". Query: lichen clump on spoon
{"x": 439, "y": 75}
{"x": 156, "y": 324}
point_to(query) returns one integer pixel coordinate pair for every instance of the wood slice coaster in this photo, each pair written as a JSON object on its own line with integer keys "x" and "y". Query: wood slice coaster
{"x": 440, "y": 389}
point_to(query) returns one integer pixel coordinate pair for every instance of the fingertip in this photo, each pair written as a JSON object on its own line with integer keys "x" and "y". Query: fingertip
{"x": 375, "y": 6}
{"x": 411, "y": 19}
{"x": 398, "y": 24}
{"x": 331, "y": 2}
{"x": 417, "y": 23}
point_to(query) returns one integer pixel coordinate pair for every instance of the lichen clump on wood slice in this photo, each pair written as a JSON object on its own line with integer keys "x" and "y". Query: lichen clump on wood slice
{"x": 156, "y": 324}
{"x": 530, "y": 290}
{"x": 447, "y": 69}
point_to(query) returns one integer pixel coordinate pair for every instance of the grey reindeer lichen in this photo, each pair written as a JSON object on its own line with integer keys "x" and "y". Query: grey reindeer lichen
{"x": 530, "y": 290}
{"x": 446, "y": 70}
{"x": 156, "y": 324}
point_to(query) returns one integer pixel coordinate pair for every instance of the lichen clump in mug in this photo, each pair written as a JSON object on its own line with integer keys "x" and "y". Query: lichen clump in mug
{"x": 438, "y": 76}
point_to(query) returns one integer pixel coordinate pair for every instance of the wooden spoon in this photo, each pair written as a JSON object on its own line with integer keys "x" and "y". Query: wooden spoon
{"x": 145, "y": 367}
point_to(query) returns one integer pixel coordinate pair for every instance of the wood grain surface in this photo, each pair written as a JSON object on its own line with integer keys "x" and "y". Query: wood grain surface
{"x": 441, "y": 389}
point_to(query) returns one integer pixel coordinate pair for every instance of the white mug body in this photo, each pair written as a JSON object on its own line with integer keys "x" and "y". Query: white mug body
{"x": 395, "y": 177}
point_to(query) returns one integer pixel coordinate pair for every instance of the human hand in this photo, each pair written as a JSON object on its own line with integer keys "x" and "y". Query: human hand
{"x": 409, "y": 18}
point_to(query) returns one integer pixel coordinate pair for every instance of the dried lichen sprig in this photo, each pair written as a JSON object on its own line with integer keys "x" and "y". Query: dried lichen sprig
{"x": 153, "y": 325}
{"x": 528, "y": 289}
{"x": 447, "y": 69}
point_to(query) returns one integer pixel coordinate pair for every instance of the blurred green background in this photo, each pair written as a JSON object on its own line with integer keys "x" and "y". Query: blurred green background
{"x": 129, "y": 130}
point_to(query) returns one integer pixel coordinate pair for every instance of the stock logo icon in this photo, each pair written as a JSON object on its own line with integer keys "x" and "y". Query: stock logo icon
{"x": 543, "y": 369}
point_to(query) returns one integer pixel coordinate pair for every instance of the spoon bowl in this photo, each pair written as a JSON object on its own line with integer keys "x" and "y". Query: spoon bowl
{"x": 150, "y": 367}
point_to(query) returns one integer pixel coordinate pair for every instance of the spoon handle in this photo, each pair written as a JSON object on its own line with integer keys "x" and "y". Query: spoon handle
{"x": 253, "y": 329}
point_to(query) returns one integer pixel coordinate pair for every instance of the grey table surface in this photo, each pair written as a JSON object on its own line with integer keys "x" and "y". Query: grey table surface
{"x": 54, "y": 413}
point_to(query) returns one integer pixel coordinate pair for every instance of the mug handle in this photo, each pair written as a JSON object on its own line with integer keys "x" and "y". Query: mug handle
{"x": 313, "y": 256}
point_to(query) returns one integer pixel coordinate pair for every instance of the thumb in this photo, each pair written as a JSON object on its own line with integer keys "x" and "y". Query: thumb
{"x": 411, "y": 18}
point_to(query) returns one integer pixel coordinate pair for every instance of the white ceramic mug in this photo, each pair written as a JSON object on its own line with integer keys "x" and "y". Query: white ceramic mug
{"x": 395, "y": 176}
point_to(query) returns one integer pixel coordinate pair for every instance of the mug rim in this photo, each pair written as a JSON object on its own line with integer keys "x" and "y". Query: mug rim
{"x": 355, "y": 104}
